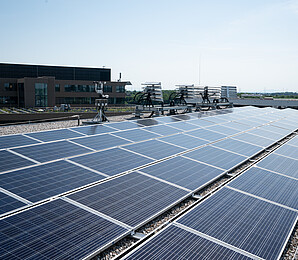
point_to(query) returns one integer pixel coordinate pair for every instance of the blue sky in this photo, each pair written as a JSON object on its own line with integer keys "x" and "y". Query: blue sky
{"x": 252, "y": 44}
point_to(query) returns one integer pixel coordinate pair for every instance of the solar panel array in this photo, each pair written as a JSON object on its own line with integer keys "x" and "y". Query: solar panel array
{"x": 118, "y": 176}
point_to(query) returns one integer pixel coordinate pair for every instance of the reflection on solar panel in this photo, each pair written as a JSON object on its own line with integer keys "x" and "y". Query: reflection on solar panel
{"x": 51, "y": 151}
{"x": 44, "y": 181}
{"x": 10, "y": 161}
{"x": 177, "y": 243}
{"x": 184, "y": 117}
{"x": 251, "y": 224}
{"x": 184, "y": 172}
{"x": 236, "y": 146}
{"x": 163, "y": 130}
{"x": 288, "y": 150}
{"x": 55, "y": 230}
{"x": 200, "y": 122}
{"x": 136, "y": 135}
{"x": 280, "y": 164}
{"x": 254, "y": 139}
{"x": 125, "y": 125}
{"x": 53, "y": 135}
{"x": 15, "y": 140}
{"x": 154, "y": 149}
{"x": 206, "y": 134}
{"x": 216, "y": 157}
{"x": 131, "y": 199}
{"x": 184, "y": 140}
{"x": 8, "y": 203}
{"x": 93, "y": 130}
{"x": 100, "y": 142}
{"x": 184, "y": 126}
{"x": 268, "y": 185}
{"x": 166, "y": 119}
{"x": 112, "y": 161}
{"x": 223, "y": 129}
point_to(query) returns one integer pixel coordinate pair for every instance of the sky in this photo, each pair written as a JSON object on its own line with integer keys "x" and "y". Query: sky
{"x": 251, "y": 44}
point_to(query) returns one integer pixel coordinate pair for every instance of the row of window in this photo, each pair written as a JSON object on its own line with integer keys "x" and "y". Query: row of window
{"x": 8, "y": 100}
{"x": 86, "y": 100}
{"x": 10, "y": 86}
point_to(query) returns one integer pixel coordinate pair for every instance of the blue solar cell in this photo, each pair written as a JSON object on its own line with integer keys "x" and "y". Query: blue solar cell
{"x": 10, "y": 161}
{"x": 100, "y": 142}
{"x": 251, "y": 224}
{"x": 280, "y": 164}
{"x": 131, "y": 199}
{"x": 184, "y": 172}
{"x": 216, "y": 119}
{"x": 206, "y": 134}
{"x": 200, "y": 123}
{"x": 51, "y": 151}
{"x": 216, "y": 157}
{"x": 268, "y": 185}
{"x": 223, "y": 129}
{"x": 293, "y": 141}
{"x": 266, "y": 134}
{"x": 53, "y": 135}
{"x": 166, "y": 119}
{"x": 93, "y": 130}
{"x": 55, "y": 230}
{"x": 275, "y": 129}
{"x": 8, "y": 203}
{"x": 184, "y": 126}
{"x": 237, "y": 126}
{"x": 112, "y": 161}
{"x": 240, "y": 147}
{"x": 8, "y": 141}
{"x": 136, "y": 135}
{"x": 163, "y": 130}
{"x": 285, "y": 126}
{"x": 44, "y": 181}
{"x": 177, "y": 243}
{"x": 248, "y": 122}
{"x": 155, "y": 149}
{"x": 184, "y": 140}
{"x": 288, "y": 150}
{"x": 148, "y": 122}
{"x": 125, "y": 125}
{"x": 254, "y": 139}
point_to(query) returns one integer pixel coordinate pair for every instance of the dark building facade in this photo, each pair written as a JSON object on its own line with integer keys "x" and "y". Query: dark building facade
{"x": 47, "y": 86}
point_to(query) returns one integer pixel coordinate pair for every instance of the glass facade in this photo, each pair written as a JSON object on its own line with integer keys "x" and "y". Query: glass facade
{"x": 10, "y": 86}
{"x": 107, "y": 89}
{"x": 120, "y": 89}
{"x": 79, "y": 88}
{"x": 41, "y": 94}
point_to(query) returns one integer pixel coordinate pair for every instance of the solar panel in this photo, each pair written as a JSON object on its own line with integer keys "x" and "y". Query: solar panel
{"x": 251, "y": 224}
{"x": 184, "y": 126}
{"x": 154, "y": 149}
{"x": 254, "y": 139}
{"x": 216, "y": 119}
{"x": 10, "y": 161}
{"x": 45, "y": 181}
{"x": 223, "y": 130}
{"x": 8, "y": 203}
{"x": 184, "y": 172}
{"x": 93, "y": 130}
{"x": 266, "y": 134}
{"x": 183, "y": 117}
{"x": 136, "y": 135}
{"x": 166, "y": 119}
{"x": 268, "y": 185}
{"x": 276, "y": 129}
{"x": 247, "y": 122}
{"x": 280, "y": 164}
{"x": 285, "y": 126}
{"x": 200, "y": 123}
{"x": 240, "y": 147}
{"x": 100, "y": 142}
{"x": 132, "y": 198}
{"x": 237, "y": 126}
{"x": 148, "y": 122}
{"x": 216, "y": 157}
{"x": 55, "y": 230}
{"x": 206, "y": 134}
{"x": 51, "y": 151}
{"x": 184, "y": 140}
{"x": 293, "y": 141}
{"x": 177, "y": 243}
{"x": 53, "y": 135}
{"x": 288, "y": 150}
{"x": 163, "y": 130}
{"x": 112, "y": 161}
{"x": 8, "y": 141}
{"x": 125, "y": 125}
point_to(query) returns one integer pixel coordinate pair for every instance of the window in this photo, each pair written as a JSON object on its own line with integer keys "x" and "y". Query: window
{"x": 79, "y": 88}
{"x": 107, "y": 88}
{"x": 57, "y": 87}
{"x": 120, "y": 89}
{"x": 41, "y": 94}
{"x": 10, "y": 86}
{"x": 8, "y": 100}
